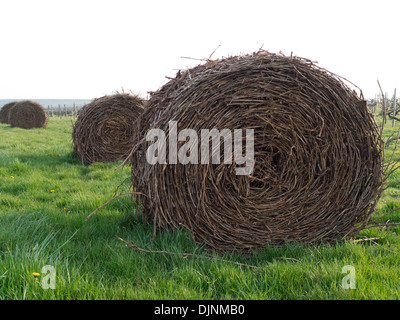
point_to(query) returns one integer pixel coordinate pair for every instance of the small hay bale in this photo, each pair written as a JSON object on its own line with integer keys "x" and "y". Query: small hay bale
{"x": 104, "y": 130}
{"x": 318, "y": 154}
{"x": 28, "y": 114}
{"x": 5, "y": 112}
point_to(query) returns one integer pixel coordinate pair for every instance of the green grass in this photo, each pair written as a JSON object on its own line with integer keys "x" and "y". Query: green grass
{"x": 41, "y": 227}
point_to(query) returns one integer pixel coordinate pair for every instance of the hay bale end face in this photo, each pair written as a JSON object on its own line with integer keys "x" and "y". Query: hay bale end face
{"x": 28, "y": 114}
{"x": 104, "y": 130}
{"x": 5, "y": 112}
{"x": 317, "y": 155}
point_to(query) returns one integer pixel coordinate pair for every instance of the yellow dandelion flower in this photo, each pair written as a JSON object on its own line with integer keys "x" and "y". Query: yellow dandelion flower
{"x": 69, "y": 211}
{"x": 11, "y": 177}
{"x": 65, "y": 208}
{"x": 35, "y": 274}
{"x": 52, "y": 190}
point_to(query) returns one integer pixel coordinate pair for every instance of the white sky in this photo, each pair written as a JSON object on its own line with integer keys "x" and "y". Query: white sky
{"x": 85, "y": 49}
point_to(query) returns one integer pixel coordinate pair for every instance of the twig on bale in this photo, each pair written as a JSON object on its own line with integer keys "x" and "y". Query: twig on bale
{"x": 212, "y": 53}
{"x": 186, "y": 255}
{"x": 133, "y": 150}
{"x": 193, "y": 59}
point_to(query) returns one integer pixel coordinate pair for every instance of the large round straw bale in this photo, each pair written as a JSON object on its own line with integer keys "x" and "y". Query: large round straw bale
{"x": 28, "y": 114}
{"x": 317, "y": 155}
{"x": 104, "y": 130}
{"x": 5, "y": 111}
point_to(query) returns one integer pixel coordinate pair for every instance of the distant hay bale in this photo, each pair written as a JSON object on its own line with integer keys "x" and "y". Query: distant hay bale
{"x": 5, "y": 112}
{"x": 318, "y": 155}
{"x": 28, "y": 114}
{"x": 104, "y": 130}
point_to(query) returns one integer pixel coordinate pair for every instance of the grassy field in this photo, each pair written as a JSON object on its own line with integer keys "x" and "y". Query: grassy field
{"x": 46, "y": 194}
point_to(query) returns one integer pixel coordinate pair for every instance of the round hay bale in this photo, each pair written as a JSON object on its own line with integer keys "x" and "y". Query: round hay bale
{"x": 5, "y": 112}
{"x": 318, "y": 155}
{"x": 104, "y": 130}
{"x": 28, "y": 114}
